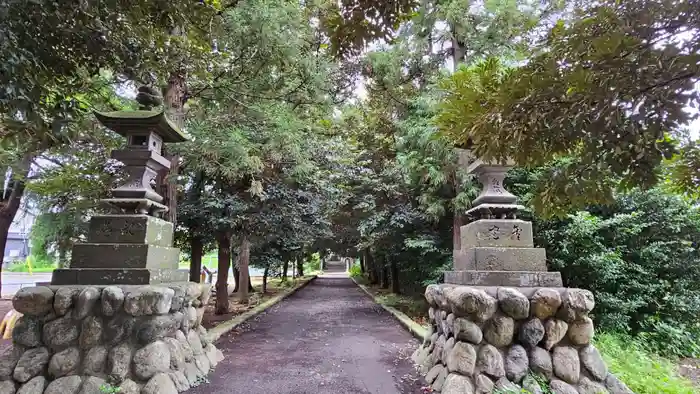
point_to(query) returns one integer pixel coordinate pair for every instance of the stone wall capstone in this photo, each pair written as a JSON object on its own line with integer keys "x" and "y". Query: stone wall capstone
{"x": 501, "y": 340}
{"x": 76, "y": 339}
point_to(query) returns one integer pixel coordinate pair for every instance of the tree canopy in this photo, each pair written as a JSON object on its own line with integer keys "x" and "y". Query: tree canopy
{"x": 604, "y": 96}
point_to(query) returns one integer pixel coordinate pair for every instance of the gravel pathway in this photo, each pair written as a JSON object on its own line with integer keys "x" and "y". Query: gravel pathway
{"x": 327, "y": 338}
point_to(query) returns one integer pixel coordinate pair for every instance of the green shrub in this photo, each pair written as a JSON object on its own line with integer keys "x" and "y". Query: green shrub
{"x": 38, "y": 265}
{"x": 355, "y": 271}
{"x": 672, "y": 339}
{"x": 643, "y": 371}
{"x": 640, "y": 258}
{"x": 313, "y": 264}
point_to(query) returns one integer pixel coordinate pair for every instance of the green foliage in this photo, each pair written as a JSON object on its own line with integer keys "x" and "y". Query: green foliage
{"x": 500, "y": 28}
{"x": 470, "y": 93}
{"x": 352, "y": 24}
{"x": 312, "y": 264}
{"x": 683, "y": 169}
{"x": 643, "y": 371}
{"x": 57, "y": 231}
{"x": 109, "y": 389}
{"x": 672, "y": 339}
{"x": 52, "y": 53}
{"x": 581, "y": 98}
{"x": 640, "y": 258}
{"x": 355, "y": 271}
{"x": 38, "y": 264}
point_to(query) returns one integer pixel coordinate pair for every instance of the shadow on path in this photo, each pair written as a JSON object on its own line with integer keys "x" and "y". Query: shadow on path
{"x": 327, "y": 338}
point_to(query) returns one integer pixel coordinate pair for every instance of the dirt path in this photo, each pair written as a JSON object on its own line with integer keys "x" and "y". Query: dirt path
{"x": 329, "y": 338}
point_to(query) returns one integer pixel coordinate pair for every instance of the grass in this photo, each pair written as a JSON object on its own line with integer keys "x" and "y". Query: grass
{"x": 414, "y": 306}
{"x": 643, "y": 371}
{"x": 24, "y": 268}
{"x": 37, "y": 266}
{"x": 210, "y": 260}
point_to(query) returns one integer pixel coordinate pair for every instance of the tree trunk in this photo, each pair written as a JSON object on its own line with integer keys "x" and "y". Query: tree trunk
{"x": 285, "y": 270}
{"x": 243, "y": 261}
{"x": 372, "y": 264}
{"x": 196, "y": 251}
{"x": 395, "y": 288}
{"x": 384, "y": 275}
{"x": 10, "y": 201}
{"x": 236, "y": 275}
{"x": 174, "y": 97}
{"x": 456, "y": 236}
{"x": 167, "y": 180}
{"x": 264, "y": 284}
{"x": 459, "y": 51}
{"x": 5, "y": 222}
{"x": 224, "y": 254}
{"x": 300, "y": 266}
{"x": 363, "y": 256}
{"x": 63, "y": 248}
{"x": 236, "y": 287}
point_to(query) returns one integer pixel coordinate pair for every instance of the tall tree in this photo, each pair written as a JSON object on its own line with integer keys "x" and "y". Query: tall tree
{"x": 601, "y": 102}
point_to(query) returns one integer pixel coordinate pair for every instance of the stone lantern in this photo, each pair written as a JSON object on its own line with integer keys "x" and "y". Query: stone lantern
{"x": 496, "y": 248}
{"x": 131, "y": 247}
{"x": 145, "y": 130}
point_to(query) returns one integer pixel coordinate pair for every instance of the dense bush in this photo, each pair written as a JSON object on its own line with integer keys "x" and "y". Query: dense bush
{"x": 640, "y": 258}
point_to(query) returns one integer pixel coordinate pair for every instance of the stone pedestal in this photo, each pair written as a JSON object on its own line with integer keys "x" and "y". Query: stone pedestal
{"x": 142, "y": 339}
{"x": 500, "y": 252}
{"x": 124, "y": 249}
{"x": 503, "y": 340}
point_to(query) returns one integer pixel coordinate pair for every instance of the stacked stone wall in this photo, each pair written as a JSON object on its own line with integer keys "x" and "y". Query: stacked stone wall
{"x": 79, "y": 339}
{"x": 508, "y": 340}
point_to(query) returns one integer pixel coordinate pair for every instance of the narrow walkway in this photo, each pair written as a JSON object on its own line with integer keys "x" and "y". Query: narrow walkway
{"x": 328, "y": 338}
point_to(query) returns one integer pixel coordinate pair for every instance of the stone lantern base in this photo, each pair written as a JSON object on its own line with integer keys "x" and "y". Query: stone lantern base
{"x": 124, "y": 249}
{"x": 142, "y": 339}
{"x": 504, "y": 340}
{"x": 501, "y": 252}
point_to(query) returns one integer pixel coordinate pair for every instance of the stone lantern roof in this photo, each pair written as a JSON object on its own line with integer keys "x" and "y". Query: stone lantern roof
{"x": 141, "y": 121}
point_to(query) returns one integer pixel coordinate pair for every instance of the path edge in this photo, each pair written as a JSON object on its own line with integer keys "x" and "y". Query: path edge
{"x": 216, "y": 332}
{"x": 418, "y": 331}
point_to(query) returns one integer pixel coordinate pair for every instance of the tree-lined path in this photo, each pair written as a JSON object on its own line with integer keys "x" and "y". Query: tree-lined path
{"x": 327, "y": 338}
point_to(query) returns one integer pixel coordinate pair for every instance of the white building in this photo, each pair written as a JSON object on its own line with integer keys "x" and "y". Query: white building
{"x": 17, "y": 247}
